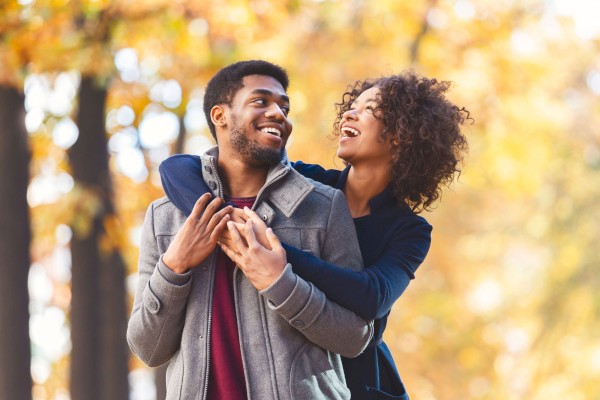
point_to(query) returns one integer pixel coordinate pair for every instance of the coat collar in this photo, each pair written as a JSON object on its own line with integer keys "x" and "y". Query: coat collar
{"x": 284, "y": 187}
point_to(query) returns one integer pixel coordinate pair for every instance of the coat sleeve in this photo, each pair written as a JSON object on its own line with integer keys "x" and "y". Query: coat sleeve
{"x": 156, "y": 323}
{"x": 305, "y": 307}
{"x": 370, "y": 293}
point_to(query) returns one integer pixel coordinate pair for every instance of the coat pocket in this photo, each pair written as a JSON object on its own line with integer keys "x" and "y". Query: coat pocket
{"x": 313, "y": 376}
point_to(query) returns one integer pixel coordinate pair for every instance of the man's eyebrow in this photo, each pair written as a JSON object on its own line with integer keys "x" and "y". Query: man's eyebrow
{"x": 267, "y": 92}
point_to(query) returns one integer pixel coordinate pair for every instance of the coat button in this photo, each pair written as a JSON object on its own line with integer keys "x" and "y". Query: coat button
{"x": 153, "y": 306}
{"x": 208, "y": 169}
{"x": 298, "y": 324}
{"x": 212, "y": 184}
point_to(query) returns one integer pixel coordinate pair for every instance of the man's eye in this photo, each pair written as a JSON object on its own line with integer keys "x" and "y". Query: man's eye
{"x": 260, "y": 101}
{"x": 285, "y": 109}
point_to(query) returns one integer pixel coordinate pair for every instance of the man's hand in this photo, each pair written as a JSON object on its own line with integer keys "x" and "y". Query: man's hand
{"x": 262, "y": 266}
{"x": 198, "y": 236}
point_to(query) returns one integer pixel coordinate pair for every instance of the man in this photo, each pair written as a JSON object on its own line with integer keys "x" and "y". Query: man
{"x": 226, "y": 336}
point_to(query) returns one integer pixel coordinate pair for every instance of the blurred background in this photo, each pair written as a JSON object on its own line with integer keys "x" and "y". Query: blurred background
{"x": 94, "y": 94}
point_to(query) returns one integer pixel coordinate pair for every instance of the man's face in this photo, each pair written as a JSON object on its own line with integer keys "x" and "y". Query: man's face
{"x": 258, "y": 123}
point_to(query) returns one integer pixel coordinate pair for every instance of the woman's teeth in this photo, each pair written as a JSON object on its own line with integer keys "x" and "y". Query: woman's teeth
{"x": 350, "y": 132}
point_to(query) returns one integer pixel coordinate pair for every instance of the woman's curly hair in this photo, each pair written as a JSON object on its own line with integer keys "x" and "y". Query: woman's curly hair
{"x": 423, "y": 128}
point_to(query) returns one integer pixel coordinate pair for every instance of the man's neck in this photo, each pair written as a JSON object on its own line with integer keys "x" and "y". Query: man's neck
{"x": 240, "y": 179}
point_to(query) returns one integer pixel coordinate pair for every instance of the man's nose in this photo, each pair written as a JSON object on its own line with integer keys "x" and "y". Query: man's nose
{"x": 274, "y": 111}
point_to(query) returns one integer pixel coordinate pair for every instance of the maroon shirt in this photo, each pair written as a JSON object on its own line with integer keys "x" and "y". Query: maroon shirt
{"x": 226, "y": 372}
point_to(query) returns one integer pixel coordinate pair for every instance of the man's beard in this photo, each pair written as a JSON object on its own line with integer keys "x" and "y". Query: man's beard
{"x": 251, "y": 151}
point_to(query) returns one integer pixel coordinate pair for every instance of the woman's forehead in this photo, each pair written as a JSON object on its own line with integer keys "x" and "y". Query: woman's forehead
{"x": 368, "y": 95}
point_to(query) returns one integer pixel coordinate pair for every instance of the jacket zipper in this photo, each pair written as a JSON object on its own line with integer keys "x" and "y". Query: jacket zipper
{"x": 239, "y": 329}
{"x": 208, "y": 332}
{"x": 280, "y": 174}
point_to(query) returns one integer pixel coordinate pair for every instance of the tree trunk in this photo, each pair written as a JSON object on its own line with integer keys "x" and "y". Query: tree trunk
{"x": 15, "y": 237}
{"x": 179, "y": 145}
{"x": 416, "y": 44}
{"x": 98, "y": 308}
{"x": 115, "y": 368}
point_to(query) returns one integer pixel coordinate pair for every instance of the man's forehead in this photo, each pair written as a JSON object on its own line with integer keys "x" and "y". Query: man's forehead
{"x": 263, "y": 83}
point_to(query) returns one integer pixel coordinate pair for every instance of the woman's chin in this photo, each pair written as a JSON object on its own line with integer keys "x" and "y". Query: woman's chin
{"x": 342, "y": 154}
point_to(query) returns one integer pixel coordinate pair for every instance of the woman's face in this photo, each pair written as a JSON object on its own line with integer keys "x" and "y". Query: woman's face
{"x": 360, "y": 132}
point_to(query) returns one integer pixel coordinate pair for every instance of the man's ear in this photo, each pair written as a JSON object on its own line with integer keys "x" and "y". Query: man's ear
{"x": 217, "y": 116}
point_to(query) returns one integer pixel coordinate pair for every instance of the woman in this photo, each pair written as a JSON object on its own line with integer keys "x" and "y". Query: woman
{"x": 400, "y": 139}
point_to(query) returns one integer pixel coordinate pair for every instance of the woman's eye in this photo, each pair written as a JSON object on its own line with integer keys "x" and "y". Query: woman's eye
{"x": 371, "y": 108}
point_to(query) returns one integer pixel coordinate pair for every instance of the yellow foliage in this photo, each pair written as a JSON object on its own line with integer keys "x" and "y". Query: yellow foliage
{"x": 522, "y": 222}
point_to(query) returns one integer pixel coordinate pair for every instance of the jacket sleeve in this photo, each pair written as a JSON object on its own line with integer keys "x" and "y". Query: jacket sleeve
{"x": 370, "y": 293}
{"x": 306, "y": 308}
{"x": 314, "y": 171}
{"x": 181, "y": 177}
{"x": 156, "y": 322}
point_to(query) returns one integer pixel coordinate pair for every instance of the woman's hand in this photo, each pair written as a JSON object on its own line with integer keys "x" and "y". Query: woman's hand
{"x": 239, "y": 217}
{"x": 262, "y": 266}
{"x": 260, "y": 228}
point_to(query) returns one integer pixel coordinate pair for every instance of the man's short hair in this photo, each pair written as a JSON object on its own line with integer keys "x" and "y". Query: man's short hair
{"x": 221, "y": 89}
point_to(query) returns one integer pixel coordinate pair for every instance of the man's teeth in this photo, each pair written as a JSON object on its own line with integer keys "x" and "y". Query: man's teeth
{"x": 273, "y": 131}
{"x": 350, "y": 132}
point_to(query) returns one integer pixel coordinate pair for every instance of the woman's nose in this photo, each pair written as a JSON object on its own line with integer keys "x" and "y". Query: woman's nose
{"x": 349, "y": 114}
